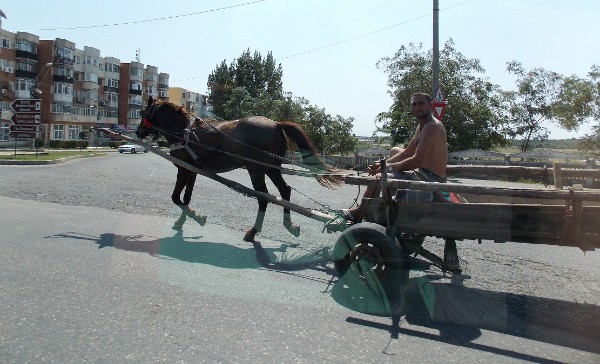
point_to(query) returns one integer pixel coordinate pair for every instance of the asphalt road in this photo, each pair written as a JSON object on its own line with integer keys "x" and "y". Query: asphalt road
{"x": 91, "y": 270}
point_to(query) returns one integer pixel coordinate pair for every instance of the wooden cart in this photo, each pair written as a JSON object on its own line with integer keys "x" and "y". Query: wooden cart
{"x": 393, "y": 229}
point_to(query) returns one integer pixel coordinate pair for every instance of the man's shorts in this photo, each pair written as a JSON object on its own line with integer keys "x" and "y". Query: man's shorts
{"x": 416, "y": 196}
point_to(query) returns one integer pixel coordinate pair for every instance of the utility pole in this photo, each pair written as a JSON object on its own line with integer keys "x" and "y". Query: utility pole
{"x": 436, "y": 48}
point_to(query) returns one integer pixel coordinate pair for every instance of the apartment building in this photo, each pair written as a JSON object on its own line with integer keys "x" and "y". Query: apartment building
{"x": 194, "y": 102}
{"x": 78, "y": 88}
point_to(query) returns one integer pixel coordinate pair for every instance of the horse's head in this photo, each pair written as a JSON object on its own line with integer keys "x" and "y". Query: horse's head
{"x": 164, "y": 117}
{"x": 148, "y": 115}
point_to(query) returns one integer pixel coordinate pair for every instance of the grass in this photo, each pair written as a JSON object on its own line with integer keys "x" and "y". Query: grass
{"x": 49, "y": 156}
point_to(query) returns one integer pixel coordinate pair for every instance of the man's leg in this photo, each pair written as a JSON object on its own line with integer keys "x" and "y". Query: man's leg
{"x": 372, "y": 190}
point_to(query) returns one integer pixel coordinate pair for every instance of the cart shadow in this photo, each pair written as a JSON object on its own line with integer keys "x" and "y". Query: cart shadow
{"x": 194, "y": 249}
{"x": 459, "y": 314}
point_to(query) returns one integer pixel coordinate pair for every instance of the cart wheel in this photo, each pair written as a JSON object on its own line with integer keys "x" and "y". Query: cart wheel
{"x": 367, "y": 246}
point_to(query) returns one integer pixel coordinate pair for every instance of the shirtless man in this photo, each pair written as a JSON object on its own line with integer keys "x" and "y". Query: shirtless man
{"x": 424, "y": 159}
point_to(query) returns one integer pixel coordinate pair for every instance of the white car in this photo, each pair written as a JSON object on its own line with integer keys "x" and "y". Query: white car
{"x": 132, "y": 148}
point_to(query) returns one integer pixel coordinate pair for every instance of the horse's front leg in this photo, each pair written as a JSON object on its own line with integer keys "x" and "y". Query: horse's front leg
{"x": 181, "y": 182}
{"x": 189, "y": 188}
{"x": 286, "y": 192}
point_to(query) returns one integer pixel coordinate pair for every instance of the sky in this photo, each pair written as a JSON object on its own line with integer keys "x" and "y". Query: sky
{"x": 328, "y": 49}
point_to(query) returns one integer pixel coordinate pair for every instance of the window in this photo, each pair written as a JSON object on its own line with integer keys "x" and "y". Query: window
{"x": 91, "y": 60}
{"x": 135, "y": 85}
{"x": 110, "y": 82}
{"x": 63, "y": 71}
{"x": 134, "y": 114}
{"x": 4, "y": 131}
{"x": 63, "y": 88}
{"x": 73, "y": 132}
{"x": 61, "y": 108}
{"x": 58, "y": 132}
{"x": 91, "y": 77}
{"x": 64, "y": 55}
{"x": 24, "y": 64}
{"x": 136, "y": 100}
{"x": 25, "y": 84}
{"x": 134, "y": 71}
{"x": 5, "y": 43}
{"x": 25, "y": 45}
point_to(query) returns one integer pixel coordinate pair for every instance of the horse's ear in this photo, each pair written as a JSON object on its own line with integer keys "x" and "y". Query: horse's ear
{"x": 150, "y": 101}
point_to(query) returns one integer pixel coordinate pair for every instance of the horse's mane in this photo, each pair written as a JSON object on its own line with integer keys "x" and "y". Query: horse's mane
{"x": 177, "y": 108}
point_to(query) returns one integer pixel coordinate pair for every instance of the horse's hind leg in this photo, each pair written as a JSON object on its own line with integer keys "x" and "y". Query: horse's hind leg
{"x": 258, "y": 182}
{"x": 286, "y": 192}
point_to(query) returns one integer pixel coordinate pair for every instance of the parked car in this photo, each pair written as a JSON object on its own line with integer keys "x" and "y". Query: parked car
{"x": 132, "y": 148}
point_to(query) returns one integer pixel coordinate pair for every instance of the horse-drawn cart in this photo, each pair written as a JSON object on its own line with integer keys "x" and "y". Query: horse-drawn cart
{"x": 394, "y": 228}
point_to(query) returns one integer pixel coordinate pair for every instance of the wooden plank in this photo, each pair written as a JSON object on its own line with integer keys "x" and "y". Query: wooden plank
{"x": 481, "y": 190}
{"x": 530, "y": 223}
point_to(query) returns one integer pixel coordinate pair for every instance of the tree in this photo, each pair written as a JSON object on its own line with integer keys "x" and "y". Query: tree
{"x": 260, "y": 77}
{"x": 544, "y": 97}
{"x": 473, "y": 118}
{"x": 220, "y": 87}
{"x": 591, "y": 142}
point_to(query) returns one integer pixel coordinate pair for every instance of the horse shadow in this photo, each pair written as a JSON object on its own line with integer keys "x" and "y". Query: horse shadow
{"x": 194, "y": 249}
{"x": 460, "y": 313}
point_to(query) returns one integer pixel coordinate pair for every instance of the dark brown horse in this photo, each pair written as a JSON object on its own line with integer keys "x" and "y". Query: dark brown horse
{"x": 255, "y": 143}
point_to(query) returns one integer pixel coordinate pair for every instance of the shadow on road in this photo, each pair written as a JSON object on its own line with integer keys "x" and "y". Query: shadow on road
{"x": 194, "y": 249}
{"x": 459, "y": 313}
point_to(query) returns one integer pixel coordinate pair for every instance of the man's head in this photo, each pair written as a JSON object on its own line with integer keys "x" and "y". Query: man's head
{"x": 420, "y": 104}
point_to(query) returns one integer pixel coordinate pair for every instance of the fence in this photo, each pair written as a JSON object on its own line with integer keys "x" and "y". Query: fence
{"x": 543, "y": 166}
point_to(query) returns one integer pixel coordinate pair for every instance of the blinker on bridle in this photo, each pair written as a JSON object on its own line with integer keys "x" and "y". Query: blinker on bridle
{"x": 147, "y": 120}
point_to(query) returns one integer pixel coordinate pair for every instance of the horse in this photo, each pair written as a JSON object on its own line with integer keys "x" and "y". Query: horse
{"x": 256, "y": 143}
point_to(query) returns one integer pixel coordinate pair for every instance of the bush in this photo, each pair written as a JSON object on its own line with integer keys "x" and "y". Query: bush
{"x": 68, "y": 144}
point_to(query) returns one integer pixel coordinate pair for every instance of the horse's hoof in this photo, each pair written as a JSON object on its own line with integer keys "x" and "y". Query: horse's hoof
{"x": 250, "y": 234}
{"x": 293, "y": 229}
{"x": 200, "y": 220}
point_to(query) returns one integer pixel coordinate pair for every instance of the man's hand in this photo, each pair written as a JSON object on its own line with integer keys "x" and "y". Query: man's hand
{"x": 374, "y": 169}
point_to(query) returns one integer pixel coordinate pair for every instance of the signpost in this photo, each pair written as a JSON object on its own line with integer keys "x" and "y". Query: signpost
{"x": 27, "y": 128}
{"x": 438, "y": 104}
{"x": 26, "y": 119}
{"x": 27, "y": 106}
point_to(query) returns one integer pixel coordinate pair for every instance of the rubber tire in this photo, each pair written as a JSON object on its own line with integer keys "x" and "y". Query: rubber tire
{"x": 133, "y": 151}
{"x": 145, "y": 150}
{"x": 369, "y": 241}
{"x": 121, "y": 151}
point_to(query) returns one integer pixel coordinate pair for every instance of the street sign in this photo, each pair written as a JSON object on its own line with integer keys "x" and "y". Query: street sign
{"x": 438, "y": 109}
{"x": 26, "y": 118}
{"x": 27, "y": 105}
{"x": 439, "y": 96}
{"x": 23, "y": 135}
{"x": 27, "y": 128}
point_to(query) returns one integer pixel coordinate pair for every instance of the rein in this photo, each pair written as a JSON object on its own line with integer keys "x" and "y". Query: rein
{"x": 185, "y": 141}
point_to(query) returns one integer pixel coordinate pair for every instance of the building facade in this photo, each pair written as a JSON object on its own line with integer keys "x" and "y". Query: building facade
{"x": 79, "y": 88}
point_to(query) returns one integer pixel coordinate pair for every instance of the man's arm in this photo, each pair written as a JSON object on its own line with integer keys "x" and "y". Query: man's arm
{"x": 420, "y": 152}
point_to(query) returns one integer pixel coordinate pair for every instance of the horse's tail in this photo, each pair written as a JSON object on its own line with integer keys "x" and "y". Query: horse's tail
{"x": 310, "y": 156}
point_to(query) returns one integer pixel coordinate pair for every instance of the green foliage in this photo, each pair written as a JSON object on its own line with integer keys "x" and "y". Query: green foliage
{"x": 233, "y": 88}
{"x": 68, "y": 144}
{"x": 590, "y": 143}
{"x": 473, "y": 117}
{"x": 252, "y": 85}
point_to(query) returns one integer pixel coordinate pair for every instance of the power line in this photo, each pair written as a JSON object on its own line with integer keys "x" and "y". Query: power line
{"x": 373, "y": 32}
{"x": 150, "y": 20}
